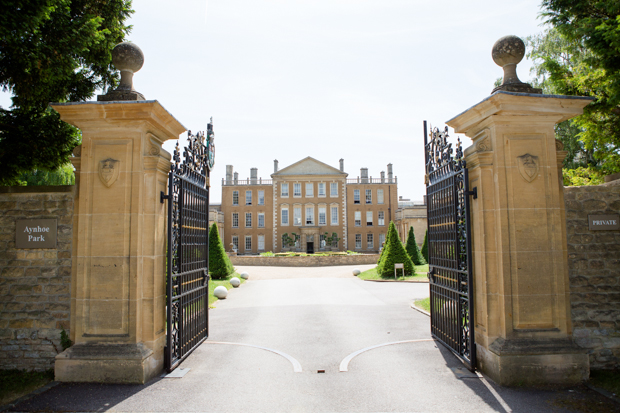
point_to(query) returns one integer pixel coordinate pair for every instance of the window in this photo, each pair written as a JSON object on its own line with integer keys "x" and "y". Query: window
{"x": 369, "y": 218}
{"x": 356, "y": 196}
{"x": 248, "y": 197}
{"x": 334, "y": 215}
{"x": 358, "y": 218}
{"x": 284, "y": 216}
{"x": 379, "y": 196}
{"x": 381, "y": 240}
{"x": 310, "y": 215}
{"x": 333, "y": 189}
{"x": 358, "y": 241}
{"x": 381, "y": 218}
{"x": 322, "y": 216}
{"x": 297, "y": 216}
{"x": 369, "y": 196}
{"x": 235, "y": 242}
{"x": 235, "y": 198}
{"x": 261, "y": 243}
{"x": 235, "y": 220}
{"x": 284, "y": 190}
{"x": 297, "y": 190}
{"x": 261, "y": 220}
{"x": 321, "y": 188}
{"x": 248, "y": 243}
{"x": 310, "y": 190}
{"x": 322, "y": 240}
{"x": 369, "y": 241}
{"x": 261, "y": 197}
{"x": 248, "y": 219}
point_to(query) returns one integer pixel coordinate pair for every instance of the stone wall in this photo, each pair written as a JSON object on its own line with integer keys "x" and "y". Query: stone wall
{"x": 309, "y": 261}
{"x": 34, "y": 283}
{"x": 594, "y": 271}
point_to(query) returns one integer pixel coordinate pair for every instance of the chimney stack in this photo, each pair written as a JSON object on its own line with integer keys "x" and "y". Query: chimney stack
{"x": 275, "y": 165}
{"x": 382, "y": 177}
{"x": 364, "y": 175}
{"x": 236, "y": 178}
{"x": 253, "y": 175}
{"x": 390, "y": 174}
{"x": 229, "y": 174}
{"x": 341, "y": 165}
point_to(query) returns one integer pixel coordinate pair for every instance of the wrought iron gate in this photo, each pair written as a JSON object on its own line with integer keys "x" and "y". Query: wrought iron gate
{"x": 187, "y": 282}
{"x": 449, "y": 245}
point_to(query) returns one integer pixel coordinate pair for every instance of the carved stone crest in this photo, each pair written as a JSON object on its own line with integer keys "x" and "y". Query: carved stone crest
{"x": 108, "y": 171}
{"x": 528, "y": 166}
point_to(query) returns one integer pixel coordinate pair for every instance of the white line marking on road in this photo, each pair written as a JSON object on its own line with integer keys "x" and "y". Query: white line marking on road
{"x": 344, "y": 364}
{"x": 494, "y": 393}
{"x": 295, "y": 363}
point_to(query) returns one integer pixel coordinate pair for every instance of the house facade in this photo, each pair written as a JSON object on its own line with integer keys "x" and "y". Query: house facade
{"x": 308, "y": 206}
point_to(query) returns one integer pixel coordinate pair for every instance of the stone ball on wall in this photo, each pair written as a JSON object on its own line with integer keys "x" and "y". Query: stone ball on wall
{"x": 220, "y": 292}
{"x": 235, "y": 282}
{"x": 127, "y": 56}
{"x": 508, "y": 50}
{"x": 244, "y": 275}
{"x": 356, "y": 272}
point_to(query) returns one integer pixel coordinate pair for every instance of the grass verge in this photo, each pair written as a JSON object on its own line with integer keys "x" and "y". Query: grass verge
{"x": 424, "y": 304}
{"x": 225, "y": 282}
{"x": 371, "y": 274}
{"x": 607, "y": 380}
{"x": 17, "y": 383}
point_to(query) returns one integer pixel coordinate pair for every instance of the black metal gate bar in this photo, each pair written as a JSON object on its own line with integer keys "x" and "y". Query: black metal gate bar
{"x": 449, "y": 249}
{"x": 187, "y": 281}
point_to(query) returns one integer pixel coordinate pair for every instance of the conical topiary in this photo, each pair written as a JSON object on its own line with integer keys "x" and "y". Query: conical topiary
{"x": 425, "y": 246}
{"x": 413, "y": 250}
{"x": 219, "y": 263}
{"x": 394, "y": 253}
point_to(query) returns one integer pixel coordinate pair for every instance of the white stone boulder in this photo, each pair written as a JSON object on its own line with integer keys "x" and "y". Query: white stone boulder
{"x": 244, "y": 275}
{"x": 235, "y": 282}
{"x": 220, "y": 292}
{"x": 356, "y": 272}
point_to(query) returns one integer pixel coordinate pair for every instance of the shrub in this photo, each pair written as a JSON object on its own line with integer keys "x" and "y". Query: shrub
{"x": 219, "y": 263}
{"x": 413, "y": 250}
{"x": 425, "y": 247}
{"x": 394, "y": 253}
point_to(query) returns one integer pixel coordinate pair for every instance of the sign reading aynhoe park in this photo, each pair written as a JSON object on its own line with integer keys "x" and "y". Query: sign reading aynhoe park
{"x": 36, "y": 233}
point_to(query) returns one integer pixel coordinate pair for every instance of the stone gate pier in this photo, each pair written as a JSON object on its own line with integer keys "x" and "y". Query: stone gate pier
{"x": 118, "y": 269}
{"x": 523, "y": 325}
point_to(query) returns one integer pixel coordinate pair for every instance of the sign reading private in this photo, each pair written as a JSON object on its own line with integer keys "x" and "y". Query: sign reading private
{"x": 604, "y": 222}
{"x": 35, "y": 233}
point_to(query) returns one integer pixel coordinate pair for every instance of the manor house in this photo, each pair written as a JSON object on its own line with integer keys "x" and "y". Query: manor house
{"x": 308, "y": 206}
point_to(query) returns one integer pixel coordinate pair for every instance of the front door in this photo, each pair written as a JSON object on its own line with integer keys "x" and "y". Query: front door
{"x": 310, "y": 247}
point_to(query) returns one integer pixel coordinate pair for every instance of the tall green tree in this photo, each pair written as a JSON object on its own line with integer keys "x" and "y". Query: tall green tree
{"x": 52, "y": 51}
{"x": 219, "y": 263}
{"x": 412, "y": 249}
{"x": 579, "y": 54}
{"x": 424, "y": 250}
{"x": 394, "y": 253}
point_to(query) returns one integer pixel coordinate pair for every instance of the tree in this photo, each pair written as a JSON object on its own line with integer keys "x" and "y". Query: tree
{"x": 219, "y": 263}
{"x": 413, "y": 250}
{"x": 424, "y": 250}
{"x": 52, "y": 51}
{"x": 579, "y": 54}
{"x": 63, "y": 175}
{"x": 394, "y": 253}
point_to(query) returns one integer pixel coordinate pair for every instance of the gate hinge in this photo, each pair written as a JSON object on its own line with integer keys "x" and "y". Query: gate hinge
{"x": 473, "y": 192}
{"x": 162, "y": 197}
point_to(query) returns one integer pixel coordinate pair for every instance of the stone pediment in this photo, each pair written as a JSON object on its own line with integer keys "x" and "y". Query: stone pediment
{"x": 308, "y": 166}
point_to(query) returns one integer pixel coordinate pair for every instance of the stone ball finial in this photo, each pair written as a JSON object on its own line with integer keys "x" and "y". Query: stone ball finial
{"x": 128, "y": 58}
{"x": 507, "y": 52}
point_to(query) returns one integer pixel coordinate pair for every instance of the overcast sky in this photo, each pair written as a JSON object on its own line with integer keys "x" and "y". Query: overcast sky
{"x": 331, "y": 79}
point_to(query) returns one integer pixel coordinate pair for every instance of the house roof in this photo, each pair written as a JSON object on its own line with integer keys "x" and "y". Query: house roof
{"x": 309, "y": 166}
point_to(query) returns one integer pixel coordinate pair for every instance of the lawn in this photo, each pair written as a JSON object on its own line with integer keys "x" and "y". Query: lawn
{"x": 607, "y": 380}
{"x": 17, "y": 383}
{"x": 424, "y": 304}
{"x": 225, "y": 282}
{"x": 371, "y": 274}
